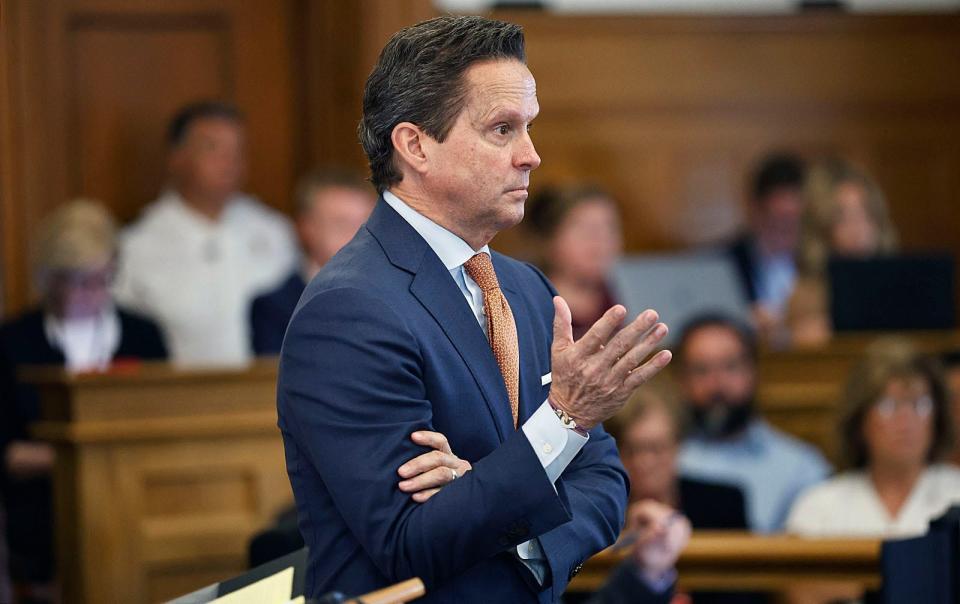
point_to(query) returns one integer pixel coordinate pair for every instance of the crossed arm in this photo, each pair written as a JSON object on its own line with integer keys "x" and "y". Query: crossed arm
{"x": 345, "y": 333}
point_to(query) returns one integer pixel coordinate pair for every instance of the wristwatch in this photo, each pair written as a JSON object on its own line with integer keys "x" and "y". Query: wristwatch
{"x": 567, "y": 420}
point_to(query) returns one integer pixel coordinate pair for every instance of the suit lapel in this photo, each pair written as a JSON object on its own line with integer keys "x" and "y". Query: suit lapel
{"x": 439, "y": 294}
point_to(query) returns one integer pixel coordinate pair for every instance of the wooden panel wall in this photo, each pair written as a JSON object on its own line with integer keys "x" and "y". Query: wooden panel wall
{"x": 668, "y": 112}
{"x": 87, "y": 88}
{"x": 671, "y": 113}
{"x": 91, "y": 85}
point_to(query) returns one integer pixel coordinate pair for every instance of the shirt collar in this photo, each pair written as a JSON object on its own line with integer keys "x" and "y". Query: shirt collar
{"x": 452, "y": 250}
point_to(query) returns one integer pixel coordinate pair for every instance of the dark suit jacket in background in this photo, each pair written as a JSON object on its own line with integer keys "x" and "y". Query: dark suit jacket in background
{"x": 712, "y": 505}
{"x": 383, "y": 344}
{"x": 743, "y": 252}
{"x": 270, "y": 314}
{"x": 23, "y": 342}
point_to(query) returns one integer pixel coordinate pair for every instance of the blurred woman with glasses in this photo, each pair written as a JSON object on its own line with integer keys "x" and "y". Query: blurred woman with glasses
{"x": 76, "y": 326}
{"x": 895, "y": 430}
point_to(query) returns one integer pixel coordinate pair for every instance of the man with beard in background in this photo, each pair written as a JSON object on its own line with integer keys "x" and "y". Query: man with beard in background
{"x": 717, "y": 371}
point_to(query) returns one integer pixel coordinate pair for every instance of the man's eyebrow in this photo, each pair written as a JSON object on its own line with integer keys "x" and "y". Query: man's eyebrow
{"x": 504, "y": 114}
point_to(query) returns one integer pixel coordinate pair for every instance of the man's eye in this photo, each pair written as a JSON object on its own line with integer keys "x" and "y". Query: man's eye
{"x": 503, "y": 129}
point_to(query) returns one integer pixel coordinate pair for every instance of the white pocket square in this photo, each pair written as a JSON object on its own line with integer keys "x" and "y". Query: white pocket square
{"x": 546, "y": 379}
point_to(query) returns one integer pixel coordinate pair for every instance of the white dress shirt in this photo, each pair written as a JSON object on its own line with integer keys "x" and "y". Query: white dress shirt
{"x": 848, "y": 506}
{"x": 88, "y": 344}
{"x": 554, "y": 444}
{"x": 197, "y": 277}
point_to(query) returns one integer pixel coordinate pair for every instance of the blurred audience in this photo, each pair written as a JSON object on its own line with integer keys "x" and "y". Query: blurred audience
{"x": 79, "y": 327}
{"x": 580, "y": 238}
{"x": 200, "y": 253}
{"x": 766, "y": 255}
{"x": 332, "y": 205}
{"x": 894, "y": 431}
{"x": 845, "y": 217}
{"x": 649, "y": 431}
{"x": 951, "y": 365}
{"x": 716, "y": 365}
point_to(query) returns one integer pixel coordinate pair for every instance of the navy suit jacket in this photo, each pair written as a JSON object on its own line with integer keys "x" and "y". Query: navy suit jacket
{"x": 383, "y": 344}
{"x": 270, "y": 313}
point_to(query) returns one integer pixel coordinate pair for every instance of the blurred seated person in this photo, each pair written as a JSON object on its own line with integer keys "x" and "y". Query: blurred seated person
{"x": 649, "y": 431}
{"x": 951, "y": 365}
{"x": 766, "y": 254}
{"x": 656, "y": 535}
{"x": 78, "y": 327}
{"x": 331, "y": 207}
{"x": 895, "y": 429}
{"x": 198, "y": 256}
{"x": 846, "y": 216}
{"x": 579, "y": 239}
{"x": 716, "y": 368}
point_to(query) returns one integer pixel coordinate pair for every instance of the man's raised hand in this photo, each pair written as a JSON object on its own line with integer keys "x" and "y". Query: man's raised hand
{"x": 594, "y": 376}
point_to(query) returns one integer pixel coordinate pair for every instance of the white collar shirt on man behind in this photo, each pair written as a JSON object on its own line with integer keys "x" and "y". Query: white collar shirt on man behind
{"x": 197, "y": 277}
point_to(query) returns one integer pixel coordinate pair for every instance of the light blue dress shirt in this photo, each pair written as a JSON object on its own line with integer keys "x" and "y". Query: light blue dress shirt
{"x": 554, "y": 444}
{"x": 770, "y": 467}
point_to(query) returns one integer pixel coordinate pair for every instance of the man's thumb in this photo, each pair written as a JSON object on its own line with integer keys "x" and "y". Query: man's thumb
{"x": 562, "y": 323}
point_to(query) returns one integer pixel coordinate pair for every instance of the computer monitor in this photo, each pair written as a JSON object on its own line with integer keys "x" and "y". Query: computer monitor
{"x": 905, "y": 292}
{"x": 680, "y": 287}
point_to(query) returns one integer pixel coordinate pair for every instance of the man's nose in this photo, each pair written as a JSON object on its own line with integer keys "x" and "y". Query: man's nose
{"x": 527, "y": 157}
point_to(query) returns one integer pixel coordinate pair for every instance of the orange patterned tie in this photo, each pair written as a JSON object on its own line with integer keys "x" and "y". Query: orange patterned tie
{"x": 501, "y": 329}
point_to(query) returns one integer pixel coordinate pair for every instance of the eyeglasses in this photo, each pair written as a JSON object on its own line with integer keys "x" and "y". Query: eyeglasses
{"x": 922, "y": 407}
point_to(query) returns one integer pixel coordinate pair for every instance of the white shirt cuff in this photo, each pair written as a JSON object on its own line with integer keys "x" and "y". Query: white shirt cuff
{"x": 555, "y": 444}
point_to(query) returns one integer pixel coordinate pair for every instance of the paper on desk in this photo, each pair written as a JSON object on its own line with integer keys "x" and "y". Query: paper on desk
{"x": 275, "y": 589}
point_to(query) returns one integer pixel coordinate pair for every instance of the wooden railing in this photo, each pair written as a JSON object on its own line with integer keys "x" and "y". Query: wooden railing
{"x": 735, "y": 561}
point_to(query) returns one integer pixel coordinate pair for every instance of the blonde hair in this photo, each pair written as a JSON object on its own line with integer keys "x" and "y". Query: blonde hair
{"x": 79, "y": 235}
{"x": 820, "y": 213}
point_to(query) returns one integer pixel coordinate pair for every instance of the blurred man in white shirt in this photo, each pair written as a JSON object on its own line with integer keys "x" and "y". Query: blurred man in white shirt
{"x": 200, "y": 253}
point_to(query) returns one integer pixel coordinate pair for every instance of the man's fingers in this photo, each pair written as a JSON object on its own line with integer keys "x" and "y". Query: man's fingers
{"x": 434, "y": 440}
{"x": 601, "y": 331}
{"x": 562, "y": 323}
{"x": 627, "y": 338}
{"x": 640, "y": 350}
{"x": 424, "y": 495}
{"x": 435, "y": 478}
{"x": 425, "y": 463}
{"x": 644, "y": 372}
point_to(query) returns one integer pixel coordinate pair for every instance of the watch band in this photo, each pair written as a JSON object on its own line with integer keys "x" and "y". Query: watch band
{"x": 567, "y": 420}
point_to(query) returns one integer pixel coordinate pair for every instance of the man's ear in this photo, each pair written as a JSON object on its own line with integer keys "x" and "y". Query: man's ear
{"x": 407, "y": 139}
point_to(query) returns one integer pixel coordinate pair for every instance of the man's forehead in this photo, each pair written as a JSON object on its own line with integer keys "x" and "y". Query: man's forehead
{"x": 500, "y": 82}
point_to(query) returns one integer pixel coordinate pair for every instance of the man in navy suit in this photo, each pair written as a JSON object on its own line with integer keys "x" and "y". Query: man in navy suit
{"x": 438, "y": 419}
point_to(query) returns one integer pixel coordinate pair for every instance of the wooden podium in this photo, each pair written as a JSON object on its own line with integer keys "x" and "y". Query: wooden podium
{"x": 162, "y": 476}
